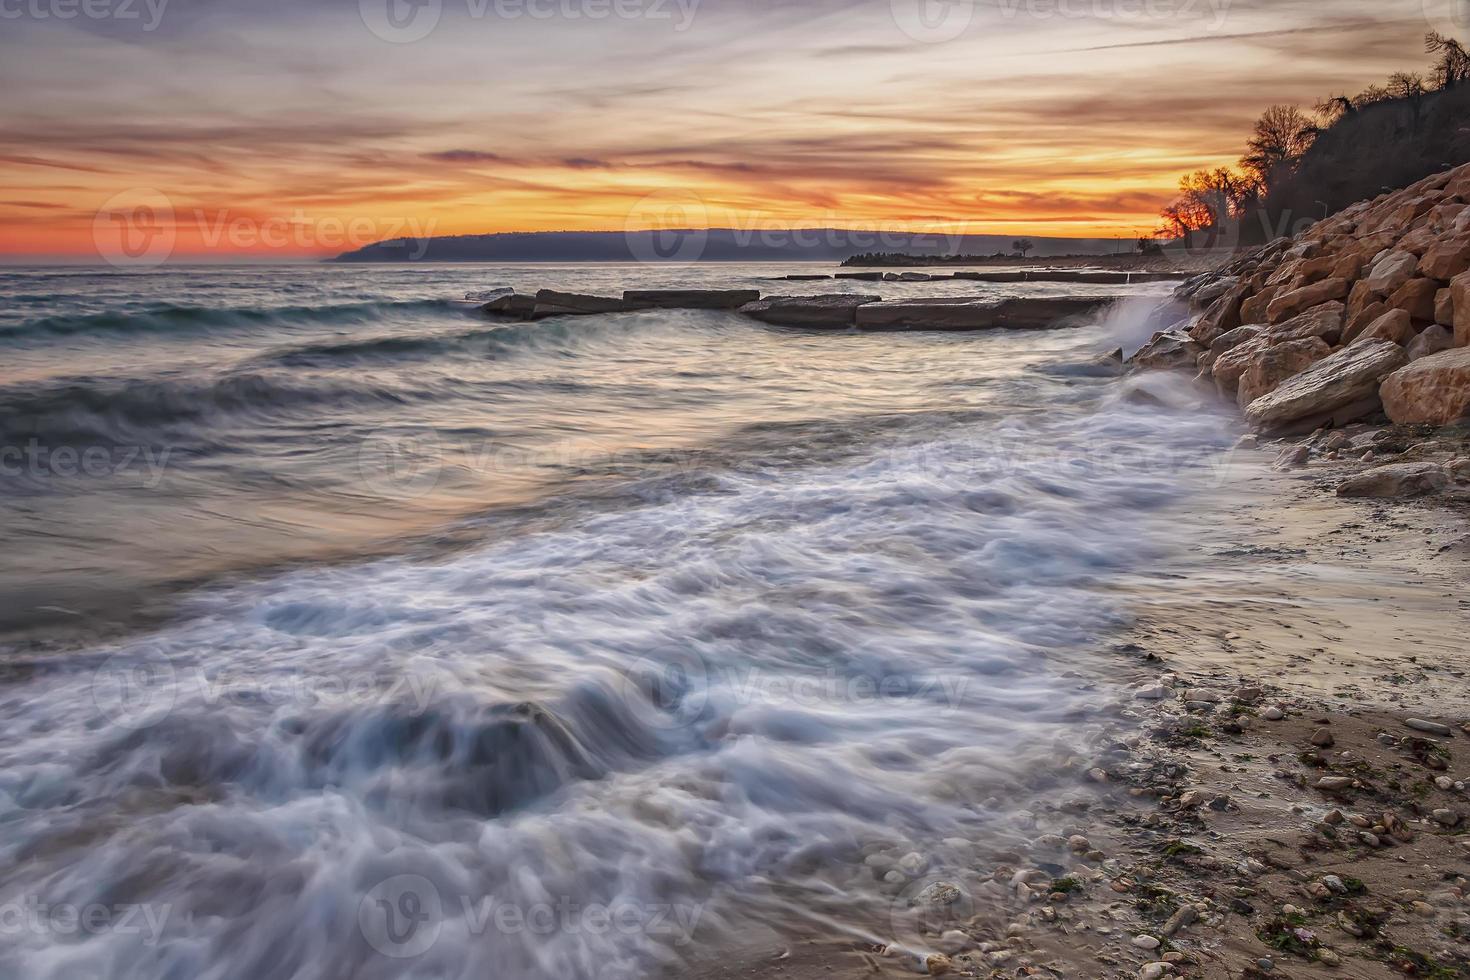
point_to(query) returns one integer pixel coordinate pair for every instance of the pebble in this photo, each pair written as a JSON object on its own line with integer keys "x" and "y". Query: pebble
{"x": 1265, "y": 964}
{"x": 1333, "y": 782}
{"x": 1328, "y": 957}
{"x": 1097, "y": 775}
{"x": 1145, "y": 942}
{"x": 1444, "y": 782}
{"x": 1079, "y": 844}
{"x": 1154, "y": 692}
{"x": 1334, "y": 884}
{"x": 1180, "y": 919}
{"x": 1431, "y": 727}
{"x": 1449, "y": 818}
{"x": 1322, "y": 738}
{"x": 1273, "y": 713}
{"x": 1153, "y": 971}
{"x": 938, "y": 964}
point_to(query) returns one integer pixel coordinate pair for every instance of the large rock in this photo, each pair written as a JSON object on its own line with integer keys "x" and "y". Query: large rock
{"x": 1253, "y": 310}
{"x": 1433, "y": 339}
{"x": 1362, "y": 321}
{"x": 1222, "y": 315}
{"x": 1349, "y": 377}
{"x": 1447, "y": 259}
{"x": 1288, "y": 305}
{"x": 1417, "y": 297}
{"x": 1273, "y": 365}
{"x": 1168, "y": 350}
{"x": 1396, "y": 480}
{"x": 832, "y": 311}
{"x": 1460, "y": 299}
{"x": 1391, "y": 272}
{"x": 1323, "y": 321}
{"x": 974, "y": 313}
{"x": 691, "y": 299}
{"x": 1395, "y": 325}
{"x": 1234, "y": 338}
{"x": 1444, "y": 308}
{"x": 1433, "y": 390}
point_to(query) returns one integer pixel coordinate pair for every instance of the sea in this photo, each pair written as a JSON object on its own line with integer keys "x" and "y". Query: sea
{"x": 347, "y": 632}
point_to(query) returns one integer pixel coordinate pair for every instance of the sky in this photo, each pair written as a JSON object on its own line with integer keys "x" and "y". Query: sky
{"x": 283, "y": 129}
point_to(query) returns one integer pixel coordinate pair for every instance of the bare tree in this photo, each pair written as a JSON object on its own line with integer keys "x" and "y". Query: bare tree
{"x": 1282, "y": 135}
{"x": 1207, "y": 200}
{"x": 1023, "y": 245}
{"x": 1453, "y": 66}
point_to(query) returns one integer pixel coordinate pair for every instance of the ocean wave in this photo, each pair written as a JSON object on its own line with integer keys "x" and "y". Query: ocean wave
{"x": 168, "y": 318}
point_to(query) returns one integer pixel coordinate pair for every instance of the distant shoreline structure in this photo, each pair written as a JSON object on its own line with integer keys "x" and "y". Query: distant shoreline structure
{"x": 688, "y": 245}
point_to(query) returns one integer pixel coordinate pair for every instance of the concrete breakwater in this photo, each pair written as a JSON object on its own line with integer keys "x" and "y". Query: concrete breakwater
{"x": 833, "y": 311}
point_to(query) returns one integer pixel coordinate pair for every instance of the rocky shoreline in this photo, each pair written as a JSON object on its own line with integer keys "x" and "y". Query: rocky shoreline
{"x": 1279, "y": 789}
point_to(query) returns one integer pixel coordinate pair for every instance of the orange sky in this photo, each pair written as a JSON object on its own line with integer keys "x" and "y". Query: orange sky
{"x": 278, "y": 129}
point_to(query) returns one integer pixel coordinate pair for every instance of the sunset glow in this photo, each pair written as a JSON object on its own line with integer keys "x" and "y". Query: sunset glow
{"x": 266, "y": 133}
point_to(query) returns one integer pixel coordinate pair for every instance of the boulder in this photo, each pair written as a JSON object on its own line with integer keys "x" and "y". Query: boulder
{"x": 1253, "y": 310}
{"x": 1168, "y": 350}
{"x": 1460, "y": 300}
{"x": 1391, "y": 272}
{"x": 690, "y": 299}
{"x": 1272, "y": 365}
{"x": 1365, "y": 317}
{"x": 1323, "y": 321}
{"x": 1417, "y": 297}
{"x": 1288, "y": 305}
{"x": 1234, "y": 338}
{"x": 1446, "y": 259}
{"x": 1433, "y": 389}
{"x": 1432, "y": 340}
{"x": 1395, "y": 480}
{"x": 1349, "y": 267}
{"x": 974, "y": 313}
{"x": 1360, "y": 297}
{"x": 1395, "y": 325}
{"x": 1209, "y": 290}
{"x": 832, "y": 311}
{"x": 1444, "y": 308}
{"x": 1350, "y": 377}
{"x": 1223, "y": 314}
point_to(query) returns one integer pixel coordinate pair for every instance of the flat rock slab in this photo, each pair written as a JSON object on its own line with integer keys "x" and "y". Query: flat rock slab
{"x": 550, "y": 302}
{"x": 512, "y": 304}
{"x": 831, "y": 311}
{"x": 691, "y": 299}
{"x": 973, "y": 313}
{"x": 1395, "y": 480}
{"x": 1349, "y": 377}
{"x": 864, "y": 276}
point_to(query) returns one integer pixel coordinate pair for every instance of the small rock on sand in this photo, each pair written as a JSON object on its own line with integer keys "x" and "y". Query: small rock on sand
{"x": 1429, "y": 727}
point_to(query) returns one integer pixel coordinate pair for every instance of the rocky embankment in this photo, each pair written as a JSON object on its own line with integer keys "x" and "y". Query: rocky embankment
{"x": 1364, "y": 315}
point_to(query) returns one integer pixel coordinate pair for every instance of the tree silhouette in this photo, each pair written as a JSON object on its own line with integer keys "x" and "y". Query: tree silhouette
{"x": 1023, "y": 245}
